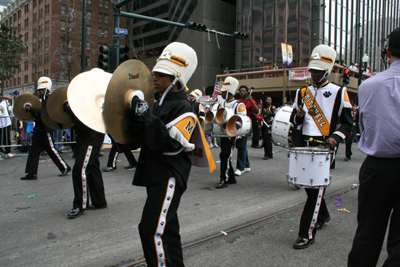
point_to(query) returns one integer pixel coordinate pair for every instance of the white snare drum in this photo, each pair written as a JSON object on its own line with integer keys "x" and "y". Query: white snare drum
{"x": 309, "y": 167}
{"x": 281, "y": 127}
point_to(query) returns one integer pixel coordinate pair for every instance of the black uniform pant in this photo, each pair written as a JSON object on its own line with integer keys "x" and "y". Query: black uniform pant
{"x": 116, "y": 149}
{"x": 159, "y": 226}
{"x": 378, "y": 203}
{"x": 43, "y": 141}
{"x": 267, "y": 143}
{"x": 227, "y": 147}
{"x": 5, "y": 138}
{"x": 87, "y": 178}
{"x": 349, "y": 142}
{"x": 256, "y": 132}
{"x": 315, "y": 210}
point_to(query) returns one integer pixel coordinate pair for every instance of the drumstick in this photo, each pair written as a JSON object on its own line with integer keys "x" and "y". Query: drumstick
{"x": 316, "y": 141}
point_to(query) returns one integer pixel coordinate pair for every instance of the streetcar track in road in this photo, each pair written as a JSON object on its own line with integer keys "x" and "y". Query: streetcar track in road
{"x": 140, "y": 261}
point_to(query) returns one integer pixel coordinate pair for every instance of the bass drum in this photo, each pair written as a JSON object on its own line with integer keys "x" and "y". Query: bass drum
{"x": 281, "y": 131}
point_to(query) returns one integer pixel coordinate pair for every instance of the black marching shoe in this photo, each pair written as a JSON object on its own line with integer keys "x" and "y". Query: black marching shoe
{"x": 108, "y": 169}
{"x": 255, "y": 146}
{"x": 265, "y": 157}
{"x": 75, "y": 213}
{"x": 130, "y": 167}
{"x": 65, "y": 172}
{"x": 302, "y": 242}
{"x": 319, "y": 225}
{"x": 347, "y": 158}
{"x": 90, "y": 207}
{"x": 29, "y": 177}
{"x": 221, "y": 184}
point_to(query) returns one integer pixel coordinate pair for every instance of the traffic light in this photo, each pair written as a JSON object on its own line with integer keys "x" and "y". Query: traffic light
{"x": 240, "y": 35}
{"x": 105, "y": 57}
{"x": 196, "y": 26}
{"x": 346, "y": 77}
{"x": 122, "y": 50}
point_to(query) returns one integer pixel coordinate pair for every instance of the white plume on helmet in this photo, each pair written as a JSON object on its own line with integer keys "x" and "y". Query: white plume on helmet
{"x": 44, "y": 83}
{"x": 179, "y": 60}
{"x": 230, "y": 85}
{"x": 197, "y": 94}
{"x": 322, "y": 58}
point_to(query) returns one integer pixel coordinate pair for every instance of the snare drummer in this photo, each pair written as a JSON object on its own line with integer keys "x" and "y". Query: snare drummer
{"x": 316, "y": 111}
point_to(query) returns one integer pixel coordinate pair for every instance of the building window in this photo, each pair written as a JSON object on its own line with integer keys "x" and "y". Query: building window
{"x": 100, "y": 17}
{"x": 105, "y": 18}
{"x": 34, "y": 17}
{"x": 63, "y": 25}
{"x": 89, "y": 2}
{"x": 34, "y": 3}
{"x": 63, "y": 9}
{"x": 88, "y": 61}
{"x": 89, "y": 15}
{"x": 88, "y": 30}
{"x": 70, "y": 44}
{"x": 19, "y": 14}
{"x": 26, "y": 64}
{"x": 26, "y": 22}
{"x": 105, "y": 35}
{"x": 100, "y": 3}
{"x": 47, "y": 9}
{"x": 106, "y": 3}
{"x": 87, "y": 45}
{"x": 19, "y": 80}
{"x": 26, "y": 79}
{"x": 26, "y": 8}
{"x": 62, "y": 41}
{"x": 100, "y": 32}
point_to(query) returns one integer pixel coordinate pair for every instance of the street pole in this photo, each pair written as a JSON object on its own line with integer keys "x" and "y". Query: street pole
{"x": 361, "y": 62}
{"x": 115, "y": 48}
{"x": 284, "y": 66}
{"x": 83, "y": 38}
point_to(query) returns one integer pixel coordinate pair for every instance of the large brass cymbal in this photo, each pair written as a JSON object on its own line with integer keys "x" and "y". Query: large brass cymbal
{"x": 86, "y": 97}
{"x": 19, "y": 110}
{"x": 130, "y": 76}
{"x": 55, "y": 109}
{"x": 49, "y": 122}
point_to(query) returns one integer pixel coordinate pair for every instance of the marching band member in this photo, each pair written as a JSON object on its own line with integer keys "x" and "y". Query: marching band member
{"x": 317, "y": 110}
{"x": 195, "y": 96}
{"x": 42, "y": 137}
{"x": 243, "y": 163}
{"x": 227, "y": 176}
{"x": 164, "y": 164}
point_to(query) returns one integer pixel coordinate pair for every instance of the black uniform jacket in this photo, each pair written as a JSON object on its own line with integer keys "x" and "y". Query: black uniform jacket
{"x": 85, "y": 135}
{"x": 153, "y": 165}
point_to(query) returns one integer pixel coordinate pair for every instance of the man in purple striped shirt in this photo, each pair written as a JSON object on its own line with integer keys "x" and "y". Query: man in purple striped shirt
{"x": 379, "y": 192}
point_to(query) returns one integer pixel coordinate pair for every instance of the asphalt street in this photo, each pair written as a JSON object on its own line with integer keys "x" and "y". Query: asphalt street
{"x": 251, "y": 223}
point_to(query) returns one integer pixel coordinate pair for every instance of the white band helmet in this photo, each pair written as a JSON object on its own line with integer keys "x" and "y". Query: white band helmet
{"x": 44, "y": 83}
{"x": 230, "y": 85}
{"x": 322, "y": 58}
{"x": 197, "y": 94}
{"x": 179, "y": 60}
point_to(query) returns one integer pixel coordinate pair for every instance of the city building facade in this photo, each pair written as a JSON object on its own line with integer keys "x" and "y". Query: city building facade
{"x": 51, "y": 31}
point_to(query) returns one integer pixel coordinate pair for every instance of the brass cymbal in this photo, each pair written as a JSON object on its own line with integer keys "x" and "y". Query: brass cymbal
{"x": 130, "y": 76}
{"x": 19, "y": 110}
{"x": 86, "y": 97}
{"x": 55, "y": 109}
{"x": 48, "y": 121}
